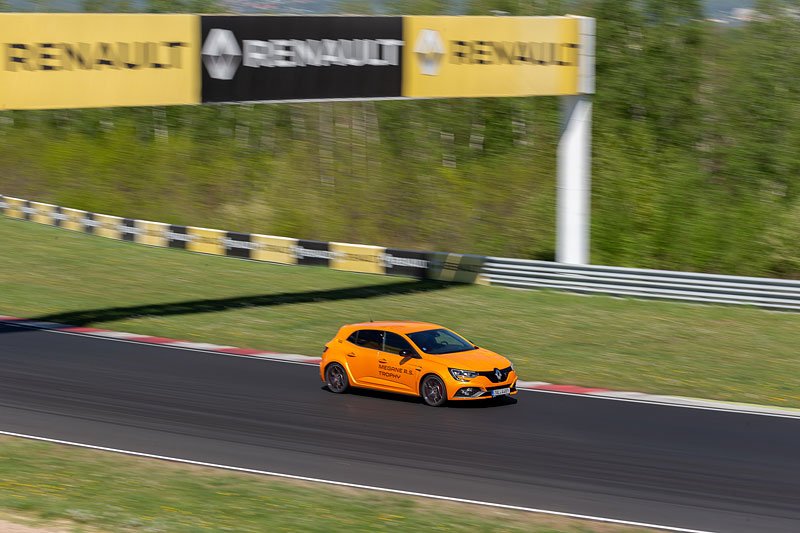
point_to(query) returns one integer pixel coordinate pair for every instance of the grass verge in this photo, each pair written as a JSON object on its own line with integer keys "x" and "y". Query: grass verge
{"x": 726, "y": 353}
{"x": 99, "y": 490}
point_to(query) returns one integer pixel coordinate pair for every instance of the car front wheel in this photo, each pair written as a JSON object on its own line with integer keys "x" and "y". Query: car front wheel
{"x": 433, "y": 391}
{"x": 336, "y": 378}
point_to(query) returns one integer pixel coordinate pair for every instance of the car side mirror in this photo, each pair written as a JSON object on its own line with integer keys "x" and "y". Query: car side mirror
{"x": 408, "y": 353}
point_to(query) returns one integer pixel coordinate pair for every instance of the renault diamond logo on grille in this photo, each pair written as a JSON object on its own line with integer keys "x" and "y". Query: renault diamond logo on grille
{"x": 498, "y": 374}
{"x": 429, "y": 49}
{"x": 221, "y": 54}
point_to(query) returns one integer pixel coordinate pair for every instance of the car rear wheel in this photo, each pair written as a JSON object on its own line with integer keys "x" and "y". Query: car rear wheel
{"x": 336, "y": 378}
{"x": 433, "y": 391}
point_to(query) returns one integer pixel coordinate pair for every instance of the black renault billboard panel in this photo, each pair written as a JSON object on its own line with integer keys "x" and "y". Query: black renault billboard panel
{"x": 300, "y": 58}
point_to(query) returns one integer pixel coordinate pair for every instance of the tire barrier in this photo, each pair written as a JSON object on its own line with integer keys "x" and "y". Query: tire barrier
{"x": 348, "y": 257}
{"x": 767, "y": 293}
{"x": 457, "y": 268}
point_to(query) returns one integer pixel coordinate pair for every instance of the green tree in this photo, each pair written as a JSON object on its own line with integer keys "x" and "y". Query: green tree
{"x": 41, "y": 6}
{"x": 650, "y": 64}
{"x": 753, "y": 133}
{"x": 673, "y": 38}
{"x": 419, "y": 7}
{"x": 185, "y": 6}
{"x": 107, "y": 6}
{"x": 516, "y": 7}
{"x": 355, "y": 7}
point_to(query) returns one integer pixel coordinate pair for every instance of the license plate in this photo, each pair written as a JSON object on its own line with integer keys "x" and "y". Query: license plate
{"x": 501, "y": 392}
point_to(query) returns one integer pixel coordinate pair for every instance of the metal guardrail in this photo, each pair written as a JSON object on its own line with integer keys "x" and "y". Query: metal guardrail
{"x": 767, "y": 293}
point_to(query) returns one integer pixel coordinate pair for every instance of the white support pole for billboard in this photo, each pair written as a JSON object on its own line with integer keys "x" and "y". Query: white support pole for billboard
{"x": 574, "y": 157}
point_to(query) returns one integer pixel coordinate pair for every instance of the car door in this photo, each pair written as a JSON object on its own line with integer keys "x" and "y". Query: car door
{"x": 399, "y": 366}
{"x": 362, "y": 354}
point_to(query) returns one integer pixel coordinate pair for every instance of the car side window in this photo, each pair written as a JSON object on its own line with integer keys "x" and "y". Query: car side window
{"x": 353, "y": 338}
{"x": 370, "y": 338}
{"x": 394, "y": 343}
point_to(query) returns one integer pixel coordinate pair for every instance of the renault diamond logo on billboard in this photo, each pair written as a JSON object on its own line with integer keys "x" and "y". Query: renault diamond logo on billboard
{"x": 300, "y": 58}
{"x": 429, "y": 49}
{"x": 221, "y": 54}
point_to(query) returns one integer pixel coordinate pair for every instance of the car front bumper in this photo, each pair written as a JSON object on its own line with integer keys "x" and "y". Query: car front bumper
{"x": 479, "y": 388}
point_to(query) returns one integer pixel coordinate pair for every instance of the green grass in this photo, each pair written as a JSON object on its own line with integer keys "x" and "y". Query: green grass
{"x": 98, "y": 490}
{"x": 727, "y": 353}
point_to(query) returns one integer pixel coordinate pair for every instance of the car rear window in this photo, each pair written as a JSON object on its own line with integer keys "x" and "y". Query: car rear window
{"x": 394, "y": 343}
{"x": 368, "y": 338}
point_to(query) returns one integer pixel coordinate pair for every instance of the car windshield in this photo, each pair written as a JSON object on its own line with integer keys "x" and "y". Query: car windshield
{"x": 439, "y": 341}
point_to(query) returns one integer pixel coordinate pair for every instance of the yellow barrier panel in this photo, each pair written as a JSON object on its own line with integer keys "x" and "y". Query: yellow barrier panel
{"x": 273, "y": 249}
{"x": 43, "y": 213}
{"x": 98, "y": 60}
{"x": 152, "y": 233}
{"x": 448, "y": 57}
{"x": 108, "y": 226}
{"x": 73, "y": 219}
{"x": 357, "y": 258}
{"x": 15, "y": 207}
{"x": 456, "y": 268}
{"x": 207, "y": 241}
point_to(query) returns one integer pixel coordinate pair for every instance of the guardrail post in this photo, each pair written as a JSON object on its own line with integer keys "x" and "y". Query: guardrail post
{"x": 574, "y": 157}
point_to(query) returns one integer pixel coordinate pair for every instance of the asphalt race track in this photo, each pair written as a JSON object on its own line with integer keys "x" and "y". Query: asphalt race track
{"x": 672, "y": 466}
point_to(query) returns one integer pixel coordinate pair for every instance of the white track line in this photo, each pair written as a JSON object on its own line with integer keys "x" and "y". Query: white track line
{"x": 616, "y": 396}
{"x": 198, "y": 345}
{"x": 109, "y": 334}
{"x": 355, "y": 485}
{"x": 665, "y": 403}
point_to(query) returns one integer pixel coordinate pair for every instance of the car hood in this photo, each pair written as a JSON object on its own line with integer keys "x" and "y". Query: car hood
{"x": 479, "y": 360}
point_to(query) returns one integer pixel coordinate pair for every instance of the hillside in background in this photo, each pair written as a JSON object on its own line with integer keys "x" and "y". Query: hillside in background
{"x": 711, "y": 8}
{"x": 695, "y": 161}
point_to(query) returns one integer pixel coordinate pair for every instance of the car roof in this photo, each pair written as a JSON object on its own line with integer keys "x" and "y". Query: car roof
{"x": 398, "y": 326}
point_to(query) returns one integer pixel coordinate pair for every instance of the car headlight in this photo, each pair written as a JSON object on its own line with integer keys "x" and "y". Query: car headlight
{"x": 463, "y": 375}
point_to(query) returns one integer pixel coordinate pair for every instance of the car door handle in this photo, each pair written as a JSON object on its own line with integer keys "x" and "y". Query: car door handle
{"x": 351, "y": 354}
{"x": 381, "y": 360}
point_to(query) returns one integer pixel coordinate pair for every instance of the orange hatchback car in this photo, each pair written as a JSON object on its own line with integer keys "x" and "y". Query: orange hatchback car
{"x": 415, "y": 358}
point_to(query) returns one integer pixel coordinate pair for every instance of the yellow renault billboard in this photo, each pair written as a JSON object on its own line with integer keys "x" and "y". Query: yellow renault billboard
{"x": 447, "y": 57}
{"x": 55, "y": 61}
